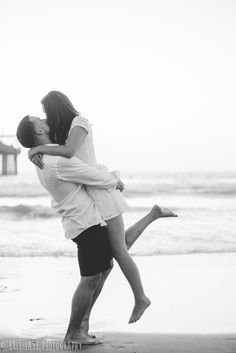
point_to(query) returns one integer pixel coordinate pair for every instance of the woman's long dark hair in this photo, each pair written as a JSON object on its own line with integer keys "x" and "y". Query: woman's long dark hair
{"x": 60, "y": 113}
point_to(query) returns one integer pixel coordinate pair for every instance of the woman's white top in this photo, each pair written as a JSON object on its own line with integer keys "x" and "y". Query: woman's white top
{"x": 111, "y": 203}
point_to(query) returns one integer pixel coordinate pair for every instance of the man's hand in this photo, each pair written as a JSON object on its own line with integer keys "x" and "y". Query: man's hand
{"x": 120, "y": 186}
{"x": 38, "y": 160}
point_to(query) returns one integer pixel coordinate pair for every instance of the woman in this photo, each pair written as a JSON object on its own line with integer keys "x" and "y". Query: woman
{"x": 73, "y": 133}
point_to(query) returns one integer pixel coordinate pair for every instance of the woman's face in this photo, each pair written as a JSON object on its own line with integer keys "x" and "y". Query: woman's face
{"x": 44, "y": 112}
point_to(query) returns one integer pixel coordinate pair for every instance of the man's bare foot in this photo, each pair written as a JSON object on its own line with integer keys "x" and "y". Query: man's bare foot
{"x": 86, "y": 334}
{"x": 84, "y": 330}
{"x": 80, "y": 340}
{"x": 90, "y": 335}
{"x": 139, "y": 308}
{"x": 161, "y": 212}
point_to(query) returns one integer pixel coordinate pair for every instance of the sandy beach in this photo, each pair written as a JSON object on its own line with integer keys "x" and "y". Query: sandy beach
{"x": 192, "y": 308}
{"x": 135, "y": 343}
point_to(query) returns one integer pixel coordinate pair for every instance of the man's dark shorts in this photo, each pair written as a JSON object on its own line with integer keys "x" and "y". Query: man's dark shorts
{"x": 94, "y": 253}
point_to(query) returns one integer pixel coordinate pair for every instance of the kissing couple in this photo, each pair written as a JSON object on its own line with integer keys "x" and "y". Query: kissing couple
{"x": 90, "y": 202}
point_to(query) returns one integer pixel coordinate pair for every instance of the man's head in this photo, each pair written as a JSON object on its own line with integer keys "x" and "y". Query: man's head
{"x": 32, "y": 131}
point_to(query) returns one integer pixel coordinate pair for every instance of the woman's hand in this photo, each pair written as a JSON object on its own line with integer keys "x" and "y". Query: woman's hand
{"x": 120, "y": 186}
{"x": 36, "y": 157}
{"x": 38, "y": 160}
{"x": 32, "y": 152}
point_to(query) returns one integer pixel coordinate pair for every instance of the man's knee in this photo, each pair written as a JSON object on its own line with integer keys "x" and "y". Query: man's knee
{"x": 91, "y": 281}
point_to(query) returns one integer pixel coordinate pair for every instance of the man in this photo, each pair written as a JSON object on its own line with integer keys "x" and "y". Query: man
{"x": 65, "y": 180}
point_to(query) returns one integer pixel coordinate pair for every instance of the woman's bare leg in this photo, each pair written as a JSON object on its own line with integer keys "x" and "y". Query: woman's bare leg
{"x": 131, "y": 235}
{"x": 116, "y": 233}
{"x": 134, "y": 232}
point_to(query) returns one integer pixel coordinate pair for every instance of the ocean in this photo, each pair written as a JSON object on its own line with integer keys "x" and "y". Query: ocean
{"x": 39, "y": 270}
{"x": 205, "y": 204}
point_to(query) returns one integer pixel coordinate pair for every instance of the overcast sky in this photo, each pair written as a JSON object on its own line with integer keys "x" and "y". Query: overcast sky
{"x": 156, "y": 78}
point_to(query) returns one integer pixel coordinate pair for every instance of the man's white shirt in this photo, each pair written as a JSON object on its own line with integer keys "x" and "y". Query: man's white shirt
{"x": 65, "y": 180}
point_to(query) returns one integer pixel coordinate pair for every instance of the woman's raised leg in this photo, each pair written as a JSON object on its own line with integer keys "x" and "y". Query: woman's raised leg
{"x": 134, "y": 232}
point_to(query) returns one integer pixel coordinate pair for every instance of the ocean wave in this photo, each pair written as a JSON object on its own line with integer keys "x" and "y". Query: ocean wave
{"x": 136, "y": 185}
{"x": 68, "y": 253}
{"x": 141, "y": 190}
{"x": 36, "y": 253}
{"x": 148, "y": 190}
{"x": 27, "y": 211}
{"x": 23, "y": 211}
{"x": 183, "y": 252}
{"x": 37, "y": 211}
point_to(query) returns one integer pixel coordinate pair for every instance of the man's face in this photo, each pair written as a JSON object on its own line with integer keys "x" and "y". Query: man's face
{"x": 40, "y": 124}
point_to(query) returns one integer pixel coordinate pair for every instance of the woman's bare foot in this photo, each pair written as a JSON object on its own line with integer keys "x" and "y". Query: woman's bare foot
{"x": 139, "y": 308}
{"x": 161, "y": 212}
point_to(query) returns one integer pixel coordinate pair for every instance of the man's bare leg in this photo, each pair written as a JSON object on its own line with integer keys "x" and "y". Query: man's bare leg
{"x": 84, "y": 327}
{"x": 131, "y": 235}
{"x": 80, "y": 305}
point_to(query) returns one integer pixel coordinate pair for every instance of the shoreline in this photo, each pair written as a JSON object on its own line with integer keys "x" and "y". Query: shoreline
{"x": 135, "y": 255}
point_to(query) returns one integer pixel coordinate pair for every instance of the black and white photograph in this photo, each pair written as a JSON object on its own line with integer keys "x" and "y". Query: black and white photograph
{"x": 118, "y": 176}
